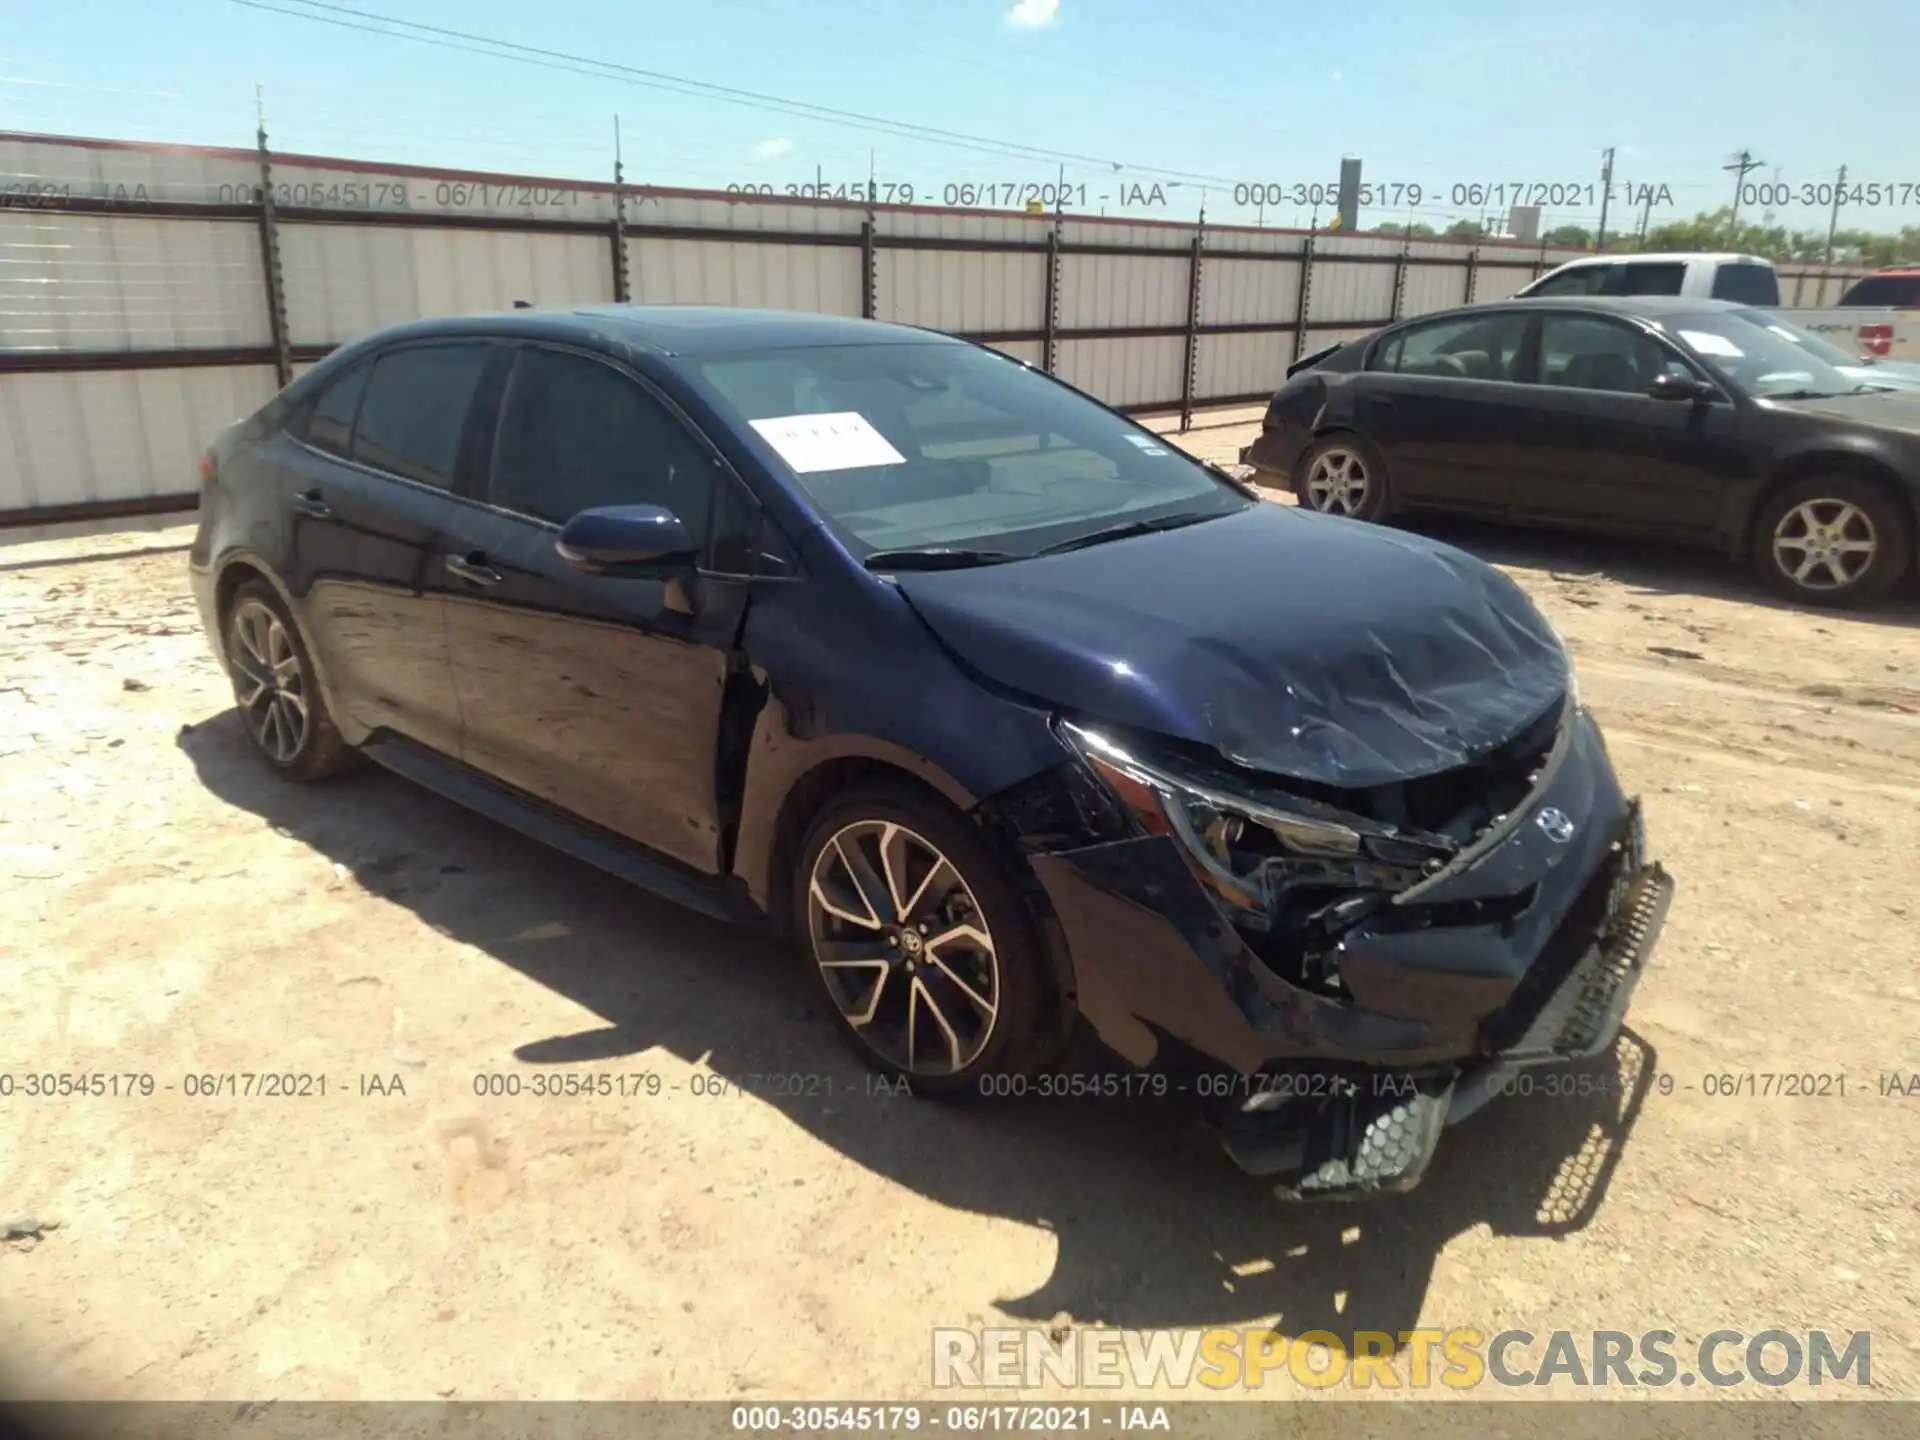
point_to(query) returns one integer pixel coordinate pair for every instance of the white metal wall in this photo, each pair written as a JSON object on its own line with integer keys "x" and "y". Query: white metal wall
{"x": 824, "y": 279}
{"x": 87, "y": 282}
{"x": 969, "y": 290}
{"x": 73, "y": 279}
{"x": 116, "y": 434}
{"x": 344, "y": 280}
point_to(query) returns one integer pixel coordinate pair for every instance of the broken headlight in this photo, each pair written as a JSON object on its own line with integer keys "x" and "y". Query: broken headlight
{"x": 1295, "y": 869}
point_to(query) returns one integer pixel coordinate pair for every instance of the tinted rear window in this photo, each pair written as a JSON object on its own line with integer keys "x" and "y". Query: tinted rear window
{"x": 1748, "y": 284}
{"x": 415, "y": 410}
{"x": 1659, "y": 278}
{"x": 1900, "y": 291}
{"x": 1581, "y": 280}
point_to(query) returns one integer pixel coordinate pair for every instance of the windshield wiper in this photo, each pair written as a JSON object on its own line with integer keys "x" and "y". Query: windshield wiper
{"x": 1806, "y": 395}
{"x": 936, "y": 557}
{"x": 1122, "y": 531}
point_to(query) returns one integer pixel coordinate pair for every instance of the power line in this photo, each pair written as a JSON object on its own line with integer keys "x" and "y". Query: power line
{"x": 450, "y": 39}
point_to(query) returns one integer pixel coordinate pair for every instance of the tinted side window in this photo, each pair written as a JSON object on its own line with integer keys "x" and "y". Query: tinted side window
{"x": 1584, "y": 352}
{"x": 1471, "y": 347}
{"x": 1900, "y": 291}
{"x": 1645, "y": 278}
{"x": 415, "y": 409}
{"x": 1584, "y": 280}
{"x": 328, "y": 423}
{"x": 1386, "y": 355}
{"x": 576, "y": 433}
{"x": 1749, "y": 284}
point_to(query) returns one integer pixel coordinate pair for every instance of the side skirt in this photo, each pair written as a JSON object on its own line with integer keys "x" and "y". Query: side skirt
{"x": 599, "y": 848}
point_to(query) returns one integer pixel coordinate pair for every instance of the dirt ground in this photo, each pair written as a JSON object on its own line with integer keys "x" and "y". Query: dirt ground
{"x": 172, "y": 910}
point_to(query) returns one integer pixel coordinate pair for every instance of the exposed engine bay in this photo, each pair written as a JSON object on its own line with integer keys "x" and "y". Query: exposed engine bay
{"x": 1297, "y": 865}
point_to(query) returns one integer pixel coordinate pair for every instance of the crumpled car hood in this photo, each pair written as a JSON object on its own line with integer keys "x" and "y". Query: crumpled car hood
{"x": 1325, "y": 649}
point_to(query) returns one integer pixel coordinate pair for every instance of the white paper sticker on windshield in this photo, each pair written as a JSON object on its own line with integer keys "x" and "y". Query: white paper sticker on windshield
{"x": 1705, "y": 343}
{"x": 840, "y": 441}
{"x": 1146, "y": 445}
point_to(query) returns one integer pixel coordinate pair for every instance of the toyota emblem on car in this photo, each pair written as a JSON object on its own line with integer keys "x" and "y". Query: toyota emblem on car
{"x": 1555, "y": 825}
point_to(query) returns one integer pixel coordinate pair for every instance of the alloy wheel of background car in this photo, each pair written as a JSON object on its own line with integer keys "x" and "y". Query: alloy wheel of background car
{"x": 273, "y": 682}
{"x": 1344, "y": 476}
{"x": 918, "y": 938}
{"x": 1832, "y": 540}
{"x": 905, "y": 952}
{"x": 1824, "y": 544}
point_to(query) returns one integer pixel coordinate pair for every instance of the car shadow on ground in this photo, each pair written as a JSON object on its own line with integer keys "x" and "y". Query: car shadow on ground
{"x": 1154, "y": 1225}
{"x": 1645, "y": 567}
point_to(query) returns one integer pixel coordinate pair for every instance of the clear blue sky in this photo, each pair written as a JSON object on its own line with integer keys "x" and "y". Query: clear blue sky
{"x": 1220, "y": 91}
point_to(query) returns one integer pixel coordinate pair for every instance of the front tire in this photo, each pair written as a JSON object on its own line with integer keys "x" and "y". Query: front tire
{"x": 1344, "y": 475}
{"x": 277, "y": 690}
{"x": 1832, "y": 540}
{"x": 930, "y": 965}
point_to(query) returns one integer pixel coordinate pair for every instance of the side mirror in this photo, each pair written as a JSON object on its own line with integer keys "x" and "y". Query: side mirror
{"x": 625, "y": 539}
{"x": 1669, "y": 386}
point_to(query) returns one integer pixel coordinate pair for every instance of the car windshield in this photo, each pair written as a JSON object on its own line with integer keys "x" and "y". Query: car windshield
{"x": 1761, "y": 361}
{"x": 1805, "y": 339}
{"x": 951, "y": 448}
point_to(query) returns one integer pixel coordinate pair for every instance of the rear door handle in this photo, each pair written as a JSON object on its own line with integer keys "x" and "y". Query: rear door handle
{"x": 474, "y": 569}
{"x": 1380, "y": 402}
{"x": 311, "y": 502}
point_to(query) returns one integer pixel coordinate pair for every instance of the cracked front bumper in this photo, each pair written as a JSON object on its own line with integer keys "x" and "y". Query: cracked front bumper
{"x": 1159, "y": 970}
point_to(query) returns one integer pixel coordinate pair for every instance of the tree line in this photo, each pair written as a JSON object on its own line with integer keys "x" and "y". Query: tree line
{"x": 1711, "y": 230}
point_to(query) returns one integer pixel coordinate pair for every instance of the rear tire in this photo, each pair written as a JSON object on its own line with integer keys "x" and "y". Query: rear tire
{"x": 1344, "y": 475}
{"x": 1832, "y": 540}
{"x": 277, "y": 690}
{"x": 930, "y": 965}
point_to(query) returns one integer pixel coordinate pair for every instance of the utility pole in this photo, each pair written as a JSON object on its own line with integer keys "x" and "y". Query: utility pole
{"x": 873, "y": 183}
{"x": 1606, "y": 194}
{"x": 1743, "y": 164}
{"x": 1646, "y": 214}
{"x": 1833, "y": 220}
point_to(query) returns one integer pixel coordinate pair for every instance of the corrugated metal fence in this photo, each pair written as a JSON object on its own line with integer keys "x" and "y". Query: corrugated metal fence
{"x": 151, "y": 294}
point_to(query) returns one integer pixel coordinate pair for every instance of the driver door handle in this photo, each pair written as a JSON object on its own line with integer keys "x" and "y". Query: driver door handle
{"x": 474, "y": 569}
{"x": 311, "y": 502}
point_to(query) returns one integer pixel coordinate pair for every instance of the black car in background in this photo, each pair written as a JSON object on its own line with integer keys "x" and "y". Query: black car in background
{"x": 1691, "y": 420}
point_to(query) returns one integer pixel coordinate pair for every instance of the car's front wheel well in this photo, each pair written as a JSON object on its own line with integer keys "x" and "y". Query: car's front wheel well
{"x": 1804, "y": 466}
{"x": 812, "y": 792}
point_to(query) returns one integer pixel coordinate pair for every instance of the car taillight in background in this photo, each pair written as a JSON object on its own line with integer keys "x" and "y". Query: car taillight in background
{"x": 1876, "y": 339}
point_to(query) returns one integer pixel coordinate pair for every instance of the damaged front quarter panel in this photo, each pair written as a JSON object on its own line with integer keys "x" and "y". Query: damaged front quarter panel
{"x": 1262, "y": 922}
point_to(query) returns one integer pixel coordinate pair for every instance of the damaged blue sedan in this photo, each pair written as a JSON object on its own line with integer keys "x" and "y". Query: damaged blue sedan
{"x": 1010, "y": 715}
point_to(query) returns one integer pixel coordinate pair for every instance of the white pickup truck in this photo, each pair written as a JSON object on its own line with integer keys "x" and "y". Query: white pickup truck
{"x": 1879, "y": 315}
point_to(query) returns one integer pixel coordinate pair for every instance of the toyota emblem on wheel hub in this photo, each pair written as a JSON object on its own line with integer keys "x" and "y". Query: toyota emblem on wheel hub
{"x": 1555, "y": 825}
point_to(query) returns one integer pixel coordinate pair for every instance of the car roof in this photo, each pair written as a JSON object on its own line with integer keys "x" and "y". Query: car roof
{"x": 1646, "y": 307}
{"x": 1668, "y": 257}
{"x": 675, "y": 330}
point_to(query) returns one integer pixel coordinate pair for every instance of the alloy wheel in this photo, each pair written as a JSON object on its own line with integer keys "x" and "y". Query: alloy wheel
{"x": 903, "y": 947}
{"x": 1338, "y": 482}
{"x": 268, "y": 682}
{"x": 1824, "y": 544}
